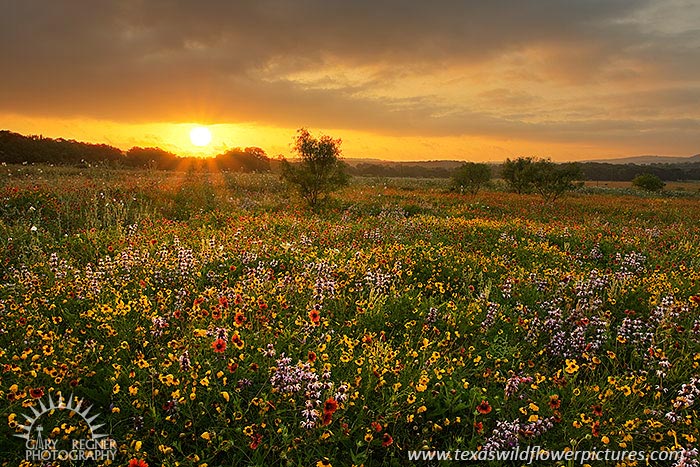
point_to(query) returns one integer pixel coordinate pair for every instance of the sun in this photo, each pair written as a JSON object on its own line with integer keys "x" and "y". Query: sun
{"x": 200, "y": 136}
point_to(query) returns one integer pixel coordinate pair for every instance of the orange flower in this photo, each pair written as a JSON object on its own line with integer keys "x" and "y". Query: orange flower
{"x": 219, "y": 345}
{"x": 327, "y": 418}
{"x": 330, "y": 406}
{"x": 138, "y": 463}
{"x": 315, "y": 317}
{"x": 239, "y": 319}
{"x": 597, "y": 410}
{"x": 554, "y": 402}
{"x": 484, "y": 408}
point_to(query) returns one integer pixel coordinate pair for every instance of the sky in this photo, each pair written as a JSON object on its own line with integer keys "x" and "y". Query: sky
{"x": 396, "y": 80}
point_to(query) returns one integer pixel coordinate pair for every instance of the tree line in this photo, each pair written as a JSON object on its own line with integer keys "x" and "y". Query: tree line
{"x": 35, "y": 149}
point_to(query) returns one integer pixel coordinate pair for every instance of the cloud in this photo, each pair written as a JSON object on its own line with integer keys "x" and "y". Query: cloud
{"x": 548, "y": 70}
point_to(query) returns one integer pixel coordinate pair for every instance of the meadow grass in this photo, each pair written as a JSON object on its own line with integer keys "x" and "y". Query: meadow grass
{"x": 212, "y": 320}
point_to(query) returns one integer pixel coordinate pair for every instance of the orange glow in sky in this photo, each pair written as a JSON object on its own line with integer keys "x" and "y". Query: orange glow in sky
{"x": 477, "y": 81}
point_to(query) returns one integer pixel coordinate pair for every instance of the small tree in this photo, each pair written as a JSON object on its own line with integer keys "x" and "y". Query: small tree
{"x": 648, "y": 182}
{"x": 518, "y": 174}
{"x": 471, "y": 177}
{"x": 319, "y": 171}
{"x": 551, "y": 180}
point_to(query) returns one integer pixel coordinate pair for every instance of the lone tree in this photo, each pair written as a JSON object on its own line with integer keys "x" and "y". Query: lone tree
{"x": 471, "y": 177}
{"x": 319, "y": 171}
{"x": 648, "y": 182}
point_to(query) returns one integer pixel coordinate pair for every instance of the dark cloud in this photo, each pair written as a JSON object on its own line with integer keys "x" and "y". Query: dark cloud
{"x": 226, "y": 61}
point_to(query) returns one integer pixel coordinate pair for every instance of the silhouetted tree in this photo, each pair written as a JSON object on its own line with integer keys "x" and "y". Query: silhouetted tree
{"x": 151, "y": 157}
{"x": 250, "y": 159}
{"x": 471, "y": 177}
{"x": 319, "y": 171}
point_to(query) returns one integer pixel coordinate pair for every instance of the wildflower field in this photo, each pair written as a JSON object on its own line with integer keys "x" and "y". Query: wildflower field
{"x": 210, "y": 320}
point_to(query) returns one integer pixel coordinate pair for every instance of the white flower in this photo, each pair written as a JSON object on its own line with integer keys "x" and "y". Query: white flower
{"x": 34, "y": 228}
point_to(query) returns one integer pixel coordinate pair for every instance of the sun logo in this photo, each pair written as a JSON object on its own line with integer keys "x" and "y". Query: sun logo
{"x": 98, "y": 446}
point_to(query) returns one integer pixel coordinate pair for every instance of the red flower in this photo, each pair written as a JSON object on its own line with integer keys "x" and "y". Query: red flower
{"x": 37, "y": 393}
{"x": 330, "y": 406}
{"x": 312, "y": 356}
{"x": 479, "y": 427}
{"x": 387, "y": 440}
{"x": 376, "y": 426}
{"x": 315, "y": 316}
{"x": 256, "y": 441}
{"x": 554, "y": 402}
{"x": 239, "y": 318}
{"x": 484, "y": 407}
{"x": 597, "y": 410}
{"x": 327, "y": 418}
{"x": 138, "y": 463}
{"x": 219, "y": 345}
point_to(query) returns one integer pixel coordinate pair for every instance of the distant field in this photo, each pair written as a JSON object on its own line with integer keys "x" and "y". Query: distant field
{"x": 212, "y": 320}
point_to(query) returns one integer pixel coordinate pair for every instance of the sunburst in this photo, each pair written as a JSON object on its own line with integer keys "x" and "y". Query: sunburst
{"x": 73, "y": 405}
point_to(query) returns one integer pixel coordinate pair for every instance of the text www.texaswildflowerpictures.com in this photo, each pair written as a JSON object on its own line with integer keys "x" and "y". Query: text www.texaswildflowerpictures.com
{"x": 535, "y": 454}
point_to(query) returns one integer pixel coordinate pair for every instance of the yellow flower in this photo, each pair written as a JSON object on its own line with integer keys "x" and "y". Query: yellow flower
{"x": 571, "y": 366}
{"x": 225, "y": 395}
{"x": 206, "y": 436}
{"x": 115, "y": 389}
{"x": 323, "y": 463}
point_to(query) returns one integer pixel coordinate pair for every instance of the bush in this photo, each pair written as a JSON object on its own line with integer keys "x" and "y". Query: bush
{"x": 518, "y": 174}
{"x": 471, "y": 177}
{"x": 550, "y": 180}
{"x": 648, "y": 182}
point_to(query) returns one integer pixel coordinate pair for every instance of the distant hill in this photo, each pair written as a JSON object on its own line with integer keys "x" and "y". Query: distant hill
{"x": 647, "y": 160}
